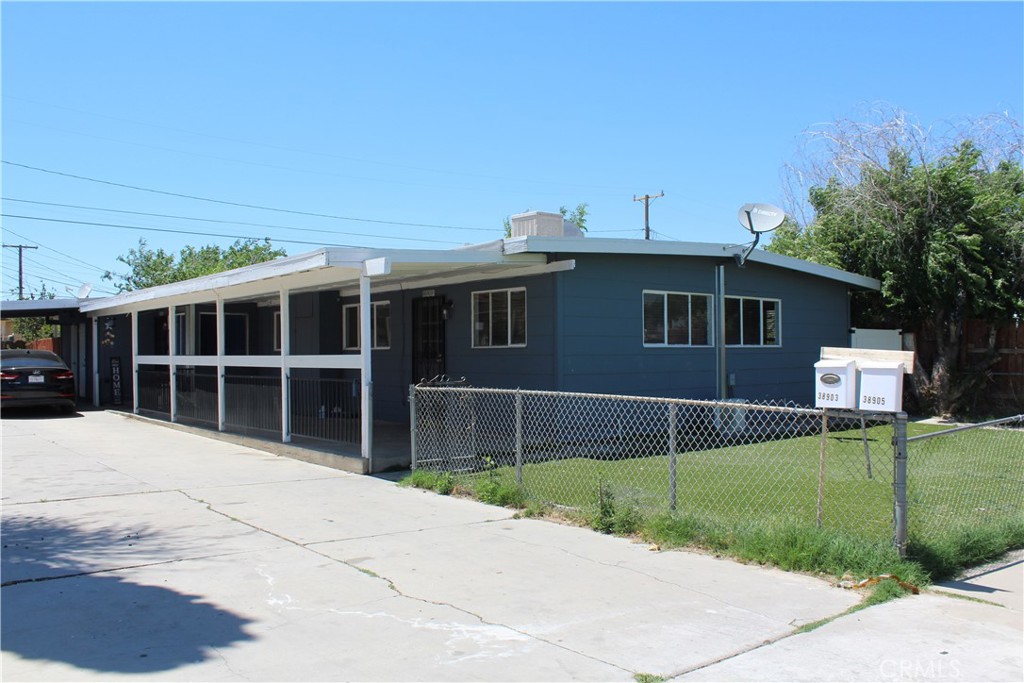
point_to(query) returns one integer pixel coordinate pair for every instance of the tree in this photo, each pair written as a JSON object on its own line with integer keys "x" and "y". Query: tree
{"x": 577, "y": 216}
{"x": 942, "y": 229}
{"x": 31, "y": 329}
{"x": 149, "y": 267}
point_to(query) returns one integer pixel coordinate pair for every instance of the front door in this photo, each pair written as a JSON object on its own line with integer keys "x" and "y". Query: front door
{"x": 427, "y": 338}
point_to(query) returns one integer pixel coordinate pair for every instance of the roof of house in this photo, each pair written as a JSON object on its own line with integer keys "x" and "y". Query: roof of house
{"x": 567, "y": 245}
{"x": 334, "y": 267}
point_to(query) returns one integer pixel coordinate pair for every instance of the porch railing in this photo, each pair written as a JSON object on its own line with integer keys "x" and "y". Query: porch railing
{"x": 321, "y": 409}
{"x": 252, "y": 403}
{"x": 196, "y": 394}
{"x": 154, "y": 389}
{"x": 325, "y": 409}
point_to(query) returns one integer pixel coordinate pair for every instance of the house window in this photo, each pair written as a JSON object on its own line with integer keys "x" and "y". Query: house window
{"x": 499, "y": 318}
{"x": 751, "y": 321}
{"x": 380, "y": 326}
{"x": 180, "y": 333}
{"x": 236, "y": 334}
{"x": 277, "y": 330}
{"x": 676, "y": 319}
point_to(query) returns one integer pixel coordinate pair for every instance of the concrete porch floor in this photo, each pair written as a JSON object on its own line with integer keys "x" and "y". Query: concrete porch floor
{"x": 391, "y": 446}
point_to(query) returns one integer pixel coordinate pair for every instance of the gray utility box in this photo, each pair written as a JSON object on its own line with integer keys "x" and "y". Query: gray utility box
{"x": 881, "y": 386}
{"x": 835, "y": 384}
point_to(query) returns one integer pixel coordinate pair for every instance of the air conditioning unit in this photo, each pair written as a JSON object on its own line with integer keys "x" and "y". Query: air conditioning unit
{"x": 731, "y": 421}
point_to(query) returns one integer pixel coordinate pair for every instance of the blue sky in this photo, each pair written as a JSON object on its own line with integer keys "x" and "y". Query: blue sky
{"x": 446, "y": 115}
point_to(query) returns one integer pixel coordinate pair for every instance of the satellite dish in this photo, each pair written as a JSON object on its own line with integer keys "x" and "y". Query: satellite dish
{"x": 84, "y": 291}
{"x": 758, "y": 218}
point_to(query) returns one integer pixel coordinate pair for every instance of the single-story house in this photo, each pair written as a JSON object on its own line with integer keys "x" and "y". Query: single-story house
{"x": 319, "y": 345}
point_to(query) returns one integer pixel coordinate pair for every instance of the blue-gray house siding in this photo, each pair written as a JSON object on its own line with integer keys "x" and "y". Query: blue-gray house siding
{"x": 601, "y": 328}
{"x": 585, "y": 333}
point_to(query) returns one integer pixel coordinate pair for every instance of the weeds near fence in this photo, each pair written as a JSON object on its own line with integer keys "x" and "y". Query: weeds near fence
{"x": 790, "y": 546}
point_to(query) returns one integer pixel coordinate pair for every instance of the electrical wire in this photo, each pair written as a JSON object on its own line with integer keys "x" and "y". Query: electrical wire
{"x": 319, "y": 152}
{"x": 239, "y": 204}
{"x": 167, "y": 230}
{"x": 40, "y": 244}
{"x": 224, "y": 222}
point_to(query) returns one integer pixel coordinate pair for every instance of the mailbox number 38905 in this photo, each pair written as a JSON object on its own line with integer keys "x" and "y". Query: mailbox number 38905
{"x": 872, "y": 400}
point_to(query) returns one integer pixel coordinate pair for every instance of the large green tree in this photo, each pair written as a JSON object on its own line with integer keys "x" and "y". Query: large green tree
{"x": 943, "y": 231}
{"x": 151, "y": 267}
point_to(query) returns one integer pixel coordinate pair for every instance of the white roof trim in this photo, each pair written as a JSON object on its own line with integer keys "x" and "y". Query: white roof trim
{"x": 547, "y": 245}
{"x": 40, "y": 306}
{"x": 326, "y": 267}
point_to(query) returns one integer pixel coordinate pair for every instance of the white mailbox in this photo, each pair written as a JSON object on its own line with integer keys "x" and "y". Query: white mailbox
{"x": 881, "y": 386}
{"x": 835, "y": 384}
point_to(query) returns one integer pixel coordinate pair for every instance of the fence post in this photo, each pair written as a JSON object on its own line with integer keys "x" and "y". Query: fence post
{"x": 412, "y": 423}
{"x": 672, "y": 456}
{"x": 900, "y": 483}
{"x": 821, "y": 465}
{"x": 519, "y": 437}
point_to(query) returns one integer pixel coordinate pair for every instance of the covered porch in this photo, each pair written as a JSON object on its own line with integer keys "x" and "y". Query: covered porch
{"x": 273, "y": 352}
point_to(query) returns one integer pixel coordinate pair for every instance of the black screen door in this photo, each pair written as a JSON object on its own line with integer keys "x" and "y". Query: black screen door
{"x": 427, "y": 338}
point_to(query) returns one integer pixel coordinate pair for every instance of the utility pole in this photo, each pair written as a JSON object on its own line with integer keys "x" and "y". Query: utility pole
{"x": 646, "y": 199}
{"x": 21, "y": 268}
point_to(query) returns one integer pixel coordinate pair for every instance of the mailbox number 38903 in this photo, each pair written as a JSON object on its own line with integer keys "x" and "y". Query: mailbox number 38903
{"x": 872, "y": 400}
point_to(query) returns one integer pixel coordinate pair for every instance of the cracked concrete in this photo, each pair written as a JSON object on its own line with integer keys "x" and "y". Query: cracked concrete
{"x": 135, "y": 552}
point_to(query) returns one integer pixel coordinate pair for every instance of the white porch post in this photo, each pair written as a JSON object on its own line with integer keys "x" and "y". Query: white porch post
{"x": 221, "y": 399}
{"x": 286, "y": 350}
{"x": 172, "y": 337}
{"x": 371, "y": 268}
{"x": 135, "y": 361}
{"x": 365, "y": 373}
{"x": 96, "y": 362}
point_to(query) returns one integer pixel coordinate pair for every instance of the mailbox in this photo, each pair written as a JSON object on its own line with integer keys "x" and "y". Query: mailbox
{"x": 835, "y": 384}
{"x": 881, "y": 386}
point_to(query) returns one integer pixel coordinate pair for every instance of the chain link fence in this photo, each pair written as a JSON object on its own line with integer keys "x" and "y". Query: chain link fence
{"x": 965, "y": 477}
{"x": 728, "y": 462}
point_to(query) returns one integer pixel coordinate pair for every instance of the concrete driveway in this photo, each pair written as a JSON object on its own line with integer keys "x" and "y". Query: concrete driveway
{"x": 132, "y": 551}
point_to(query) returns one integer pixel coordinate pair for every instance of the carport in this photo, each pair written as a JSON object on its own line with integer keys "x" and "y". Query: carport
{"x": 76, "y": 334}
{"x": 245, "y": 350}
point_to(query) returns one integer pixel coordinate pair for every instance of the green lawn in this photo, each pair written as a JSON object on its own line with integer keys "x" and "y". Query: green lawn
{"x": 974, "y": 477}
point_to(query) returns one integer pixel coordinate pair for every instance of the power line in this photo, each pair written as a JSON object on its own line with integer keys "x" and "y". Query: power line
{"x": 225, "y": 222}
{"x": 320, "y": 153}
{"x": 241, "y": 204}
{"x": 168, "y": 230}
{"x": 95, "y": 267}
{"x": 21, "y": 266}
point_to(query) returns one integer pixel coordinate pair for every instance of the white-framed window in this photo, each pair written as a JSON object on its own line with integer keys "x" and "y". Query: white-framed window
{"x": 380, "y": 326}
{"x": 181, "y": 337}
{"x": 676, "y": 318}
{"x": 277, "y": 330}
{"x": 499, "y": 318}
{"x": 752, "y": 321}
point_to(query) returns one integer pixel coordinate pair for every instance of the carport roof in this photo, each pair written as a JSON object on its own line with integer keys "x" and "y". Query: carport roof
{"x": 39, "y": 308}
{"x": 331, "y": 268}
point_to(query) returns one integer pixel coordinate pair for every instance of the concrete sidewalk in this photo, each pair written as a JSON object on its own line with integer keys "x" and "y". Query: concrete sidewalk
{"x": 131, "y": 551}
